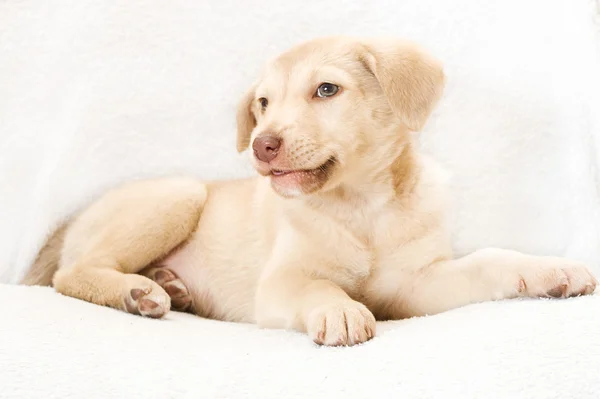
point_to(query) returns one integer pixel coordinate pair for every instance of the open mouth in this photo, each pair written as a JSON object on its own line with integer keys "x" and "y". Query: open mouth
{"x": 323, "y": 169}
{"x": 290, "y": 183}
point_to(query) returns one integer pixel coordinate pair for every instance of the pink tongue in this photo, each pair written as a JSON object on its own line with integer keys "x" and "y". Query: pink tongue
{"x": 289, "y": 179}
{"x": 278, "y": 172}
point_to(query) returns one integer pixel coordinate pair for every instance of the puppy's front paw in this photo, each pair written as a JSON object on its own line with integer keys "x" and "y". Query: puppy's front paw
{"x": 341, "y": 324}
{"x": 556, "y": 278}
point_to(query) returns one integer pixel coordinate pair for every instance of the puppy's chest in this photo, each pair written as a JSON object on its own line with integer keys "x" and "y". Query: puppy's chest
{"x": 358, "y": 247}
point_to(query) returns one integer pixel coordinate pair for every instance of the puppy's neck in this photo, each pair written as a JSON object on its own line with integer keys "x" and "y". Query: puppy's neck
{"x": 395, "y": 179}
{"x": 393, "y": 183}
{"x": 403, "y": 173}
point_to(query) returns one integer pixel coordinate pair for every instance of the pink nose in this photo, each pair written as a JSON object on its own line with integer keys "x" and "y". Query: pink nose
{"x": 266, "y": 148}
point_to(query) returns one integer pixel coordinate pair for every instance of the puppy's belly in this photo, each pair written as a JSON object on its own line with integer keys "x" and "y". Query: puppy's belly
{"x": 219, "y": 289}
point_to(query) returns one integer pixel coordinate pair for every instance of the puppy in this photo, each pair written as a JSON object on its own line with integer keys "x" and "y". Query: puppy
{"x": 345, "y": 225}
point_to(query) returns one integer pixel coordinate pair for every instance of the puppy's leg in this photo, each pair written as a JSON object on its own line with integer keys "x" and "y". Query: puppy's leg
{"x": 290, "y": 299}
{"x": 109, "y": 287}
{"x": 493, "y": 274}
{"x": 119, "y": 235}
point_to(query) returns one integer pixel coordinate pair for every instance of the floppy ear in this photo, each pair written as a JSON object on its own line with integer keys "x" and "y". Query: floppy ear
{"x": 411, "y": 80}
{"x": 245, "y": 120}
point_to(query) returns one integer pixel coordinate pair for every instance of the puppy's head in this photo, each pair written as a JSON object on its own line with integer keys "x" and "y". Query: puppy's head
{"x": 336, "y": 111}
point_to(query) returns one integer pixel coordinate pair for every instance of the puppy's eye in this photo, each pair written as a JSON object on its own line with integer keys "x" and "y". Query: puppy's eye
{"x": 263, "y": 103}
{"x": 327, "y": 90}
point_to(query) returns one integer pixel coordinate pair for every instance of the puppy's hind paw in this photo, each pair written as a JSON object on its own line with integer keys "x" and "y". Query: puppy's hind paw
{"x": 146, "y": 298}
{"x": 181, "y": 300}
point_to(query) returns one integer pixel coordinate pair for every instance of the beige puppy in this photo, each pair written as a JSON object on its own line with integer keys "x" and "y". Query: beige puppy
{"x": 345, "y": 225}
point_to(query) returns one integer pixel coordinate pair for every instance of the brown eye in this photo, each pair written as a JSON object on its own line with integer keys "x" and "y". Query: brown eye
{"x": 327, "y": 90}
{"x": 263, "y": 103}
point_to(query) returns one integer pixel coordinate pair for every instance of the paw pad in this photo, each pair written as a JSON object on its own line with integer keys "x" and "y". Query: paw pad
{"x": 181, "y": 300}
{"x": 146, "y": 302}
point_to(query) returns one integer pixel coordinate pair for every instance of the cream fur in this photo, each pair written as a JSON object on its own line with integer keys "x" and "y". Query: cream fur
{"x": 326, "y": 252}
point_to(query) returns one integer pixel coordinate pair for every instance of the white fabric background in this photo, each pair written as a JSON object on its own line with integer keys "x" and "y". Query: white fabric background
{"x": 96, "y": 92}
{"x": 93, "y": 93}
{"x": 66, "y": 349}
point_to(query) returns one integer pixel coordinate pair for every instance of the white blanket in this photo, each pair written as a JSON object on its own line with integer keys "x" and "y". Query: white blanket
{"x": 94, "y": 93}
{"x": 57, "y": 347}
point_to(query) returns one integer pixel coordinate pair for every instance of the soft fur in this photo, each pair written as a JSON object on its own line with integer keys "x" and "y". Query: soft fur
{"x": 353, "y": 230}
